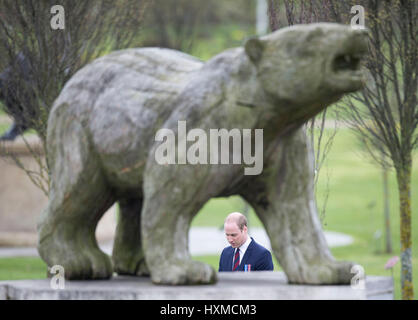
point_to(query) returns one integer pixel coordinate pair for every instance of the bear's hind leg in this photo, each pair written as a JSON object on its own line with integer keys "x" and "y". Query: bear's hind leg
{"x": 79, "y": 196}
{"x": 67, "y": 234}
{"x": 128, "y": 255}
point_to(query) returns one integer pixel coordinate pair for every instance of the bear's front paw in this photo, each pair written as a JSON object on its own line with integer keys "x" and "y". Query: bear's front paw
{"x": 183, "y": 272}
{"x": 80, "y": 259}
{"x": 329, "y": 273}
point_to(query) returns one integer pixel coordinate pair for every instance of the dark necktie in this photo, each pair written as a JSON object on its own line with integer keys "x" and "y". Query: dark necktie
{"x": 236, "y": 260}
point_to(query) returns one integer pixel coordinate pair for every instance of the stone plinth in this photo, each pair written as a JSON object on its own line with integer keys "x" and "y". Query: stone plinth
{"x": 230, "y": 286}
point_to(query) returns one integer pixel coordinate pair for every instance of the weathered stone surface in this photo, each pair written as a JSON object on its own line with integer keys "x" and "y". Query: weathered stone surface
{"x": 231, "y": 286}
{"x": 101, "y": 145}
{"x": 21, "y": 201}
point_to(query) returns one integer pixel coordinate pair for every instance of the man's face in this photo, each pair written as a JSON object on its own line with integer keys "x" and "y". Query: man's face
{"x": 234, "y": 235}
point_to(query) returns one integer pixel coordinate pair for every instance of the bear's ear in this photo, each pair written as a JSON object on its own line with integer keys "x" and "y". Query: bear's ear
{"x": 254, "y": 48}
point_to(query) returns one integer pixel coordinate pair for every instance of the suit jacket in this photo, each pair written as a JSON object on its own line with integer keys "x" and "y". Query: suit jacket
{"x": 256, "y": 255}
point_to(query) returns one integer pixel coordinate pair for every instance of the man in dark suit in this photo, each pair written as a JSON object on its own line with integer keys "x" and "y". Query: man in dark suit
{"x": 244, "y": 254}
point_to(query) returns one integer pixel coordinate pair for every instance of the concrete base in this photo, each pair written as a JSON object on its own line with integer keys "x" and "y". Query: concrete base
{"x": 230, "y": 286}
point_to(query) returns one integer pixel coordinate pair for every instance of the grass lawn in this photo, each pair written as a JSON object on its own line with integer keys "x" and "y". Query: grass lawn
{"x": 353, "y": 186}
{"x": 22, "y": 268}
{"x": 3, "y": 128}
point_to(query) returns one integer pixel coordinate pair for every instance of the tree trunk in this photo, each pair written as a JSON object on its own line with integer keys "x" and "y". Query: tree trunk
{"x": 388, "y": 238}
{"x": 262, "y": 18}
{"x": 403, "y": 174}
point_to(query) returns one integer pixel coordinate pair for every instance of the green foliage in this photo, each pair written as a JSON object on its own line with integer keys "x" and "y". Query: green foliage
{"x": 3, "y": 127}
{"x": 202, "y": 28}
{"x": 221, "y": 37}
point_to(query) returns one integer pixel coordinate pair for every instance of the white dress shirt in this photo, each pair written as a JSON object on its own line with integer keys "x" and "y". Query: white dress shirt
{"x": 242, "y": 250}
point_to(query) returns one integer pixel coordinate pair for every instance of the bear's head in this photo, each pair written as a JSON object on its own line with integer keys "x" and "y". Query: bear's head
{"x": 310, "y": 64}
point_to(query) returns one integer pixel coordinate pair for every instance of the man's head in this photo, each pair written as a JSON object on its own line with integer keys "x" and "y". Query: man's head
{"x": 236, "y": 229}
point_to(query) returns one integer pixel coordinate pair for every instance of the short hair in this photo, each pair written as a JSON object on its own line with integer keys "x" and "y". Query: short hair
{"x": 241, "y": 222}
{"x": 238, "y": 218}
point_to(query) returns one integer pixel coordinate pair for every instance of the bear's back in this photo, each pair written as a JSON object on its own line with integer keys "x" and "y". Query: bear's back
{"x": 145, "y": 70}
{"x": 120, "y": 98}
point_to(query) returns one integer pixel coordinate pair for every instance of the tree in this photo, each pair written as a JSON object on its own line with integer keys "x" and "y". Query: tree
{"x": 173, "y": 23}
{"x": 52, "y": 56}
{"x": 176, "y": 24}
{"x": 386, "y": 114}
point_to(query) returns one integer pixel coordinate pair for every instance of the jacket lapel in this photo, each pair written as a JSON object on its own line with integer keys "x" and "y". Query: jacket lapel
{"x": 247, "y": 255}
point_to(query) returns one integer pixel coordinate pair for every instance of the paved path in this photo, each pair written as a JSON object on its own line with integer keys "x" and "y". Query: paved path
{"x": 202, "y": 241}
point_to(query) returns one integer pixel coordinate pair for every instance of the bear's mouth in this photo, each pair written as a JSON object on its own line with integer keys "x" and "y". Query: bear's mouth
{"x": 346, "y": 65}
{"x": 347, "y": 62}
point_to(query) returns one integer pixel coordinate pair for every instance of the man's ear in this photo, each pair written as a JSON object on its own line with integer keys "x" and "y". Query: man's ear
{"x": 254, "y": 48}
